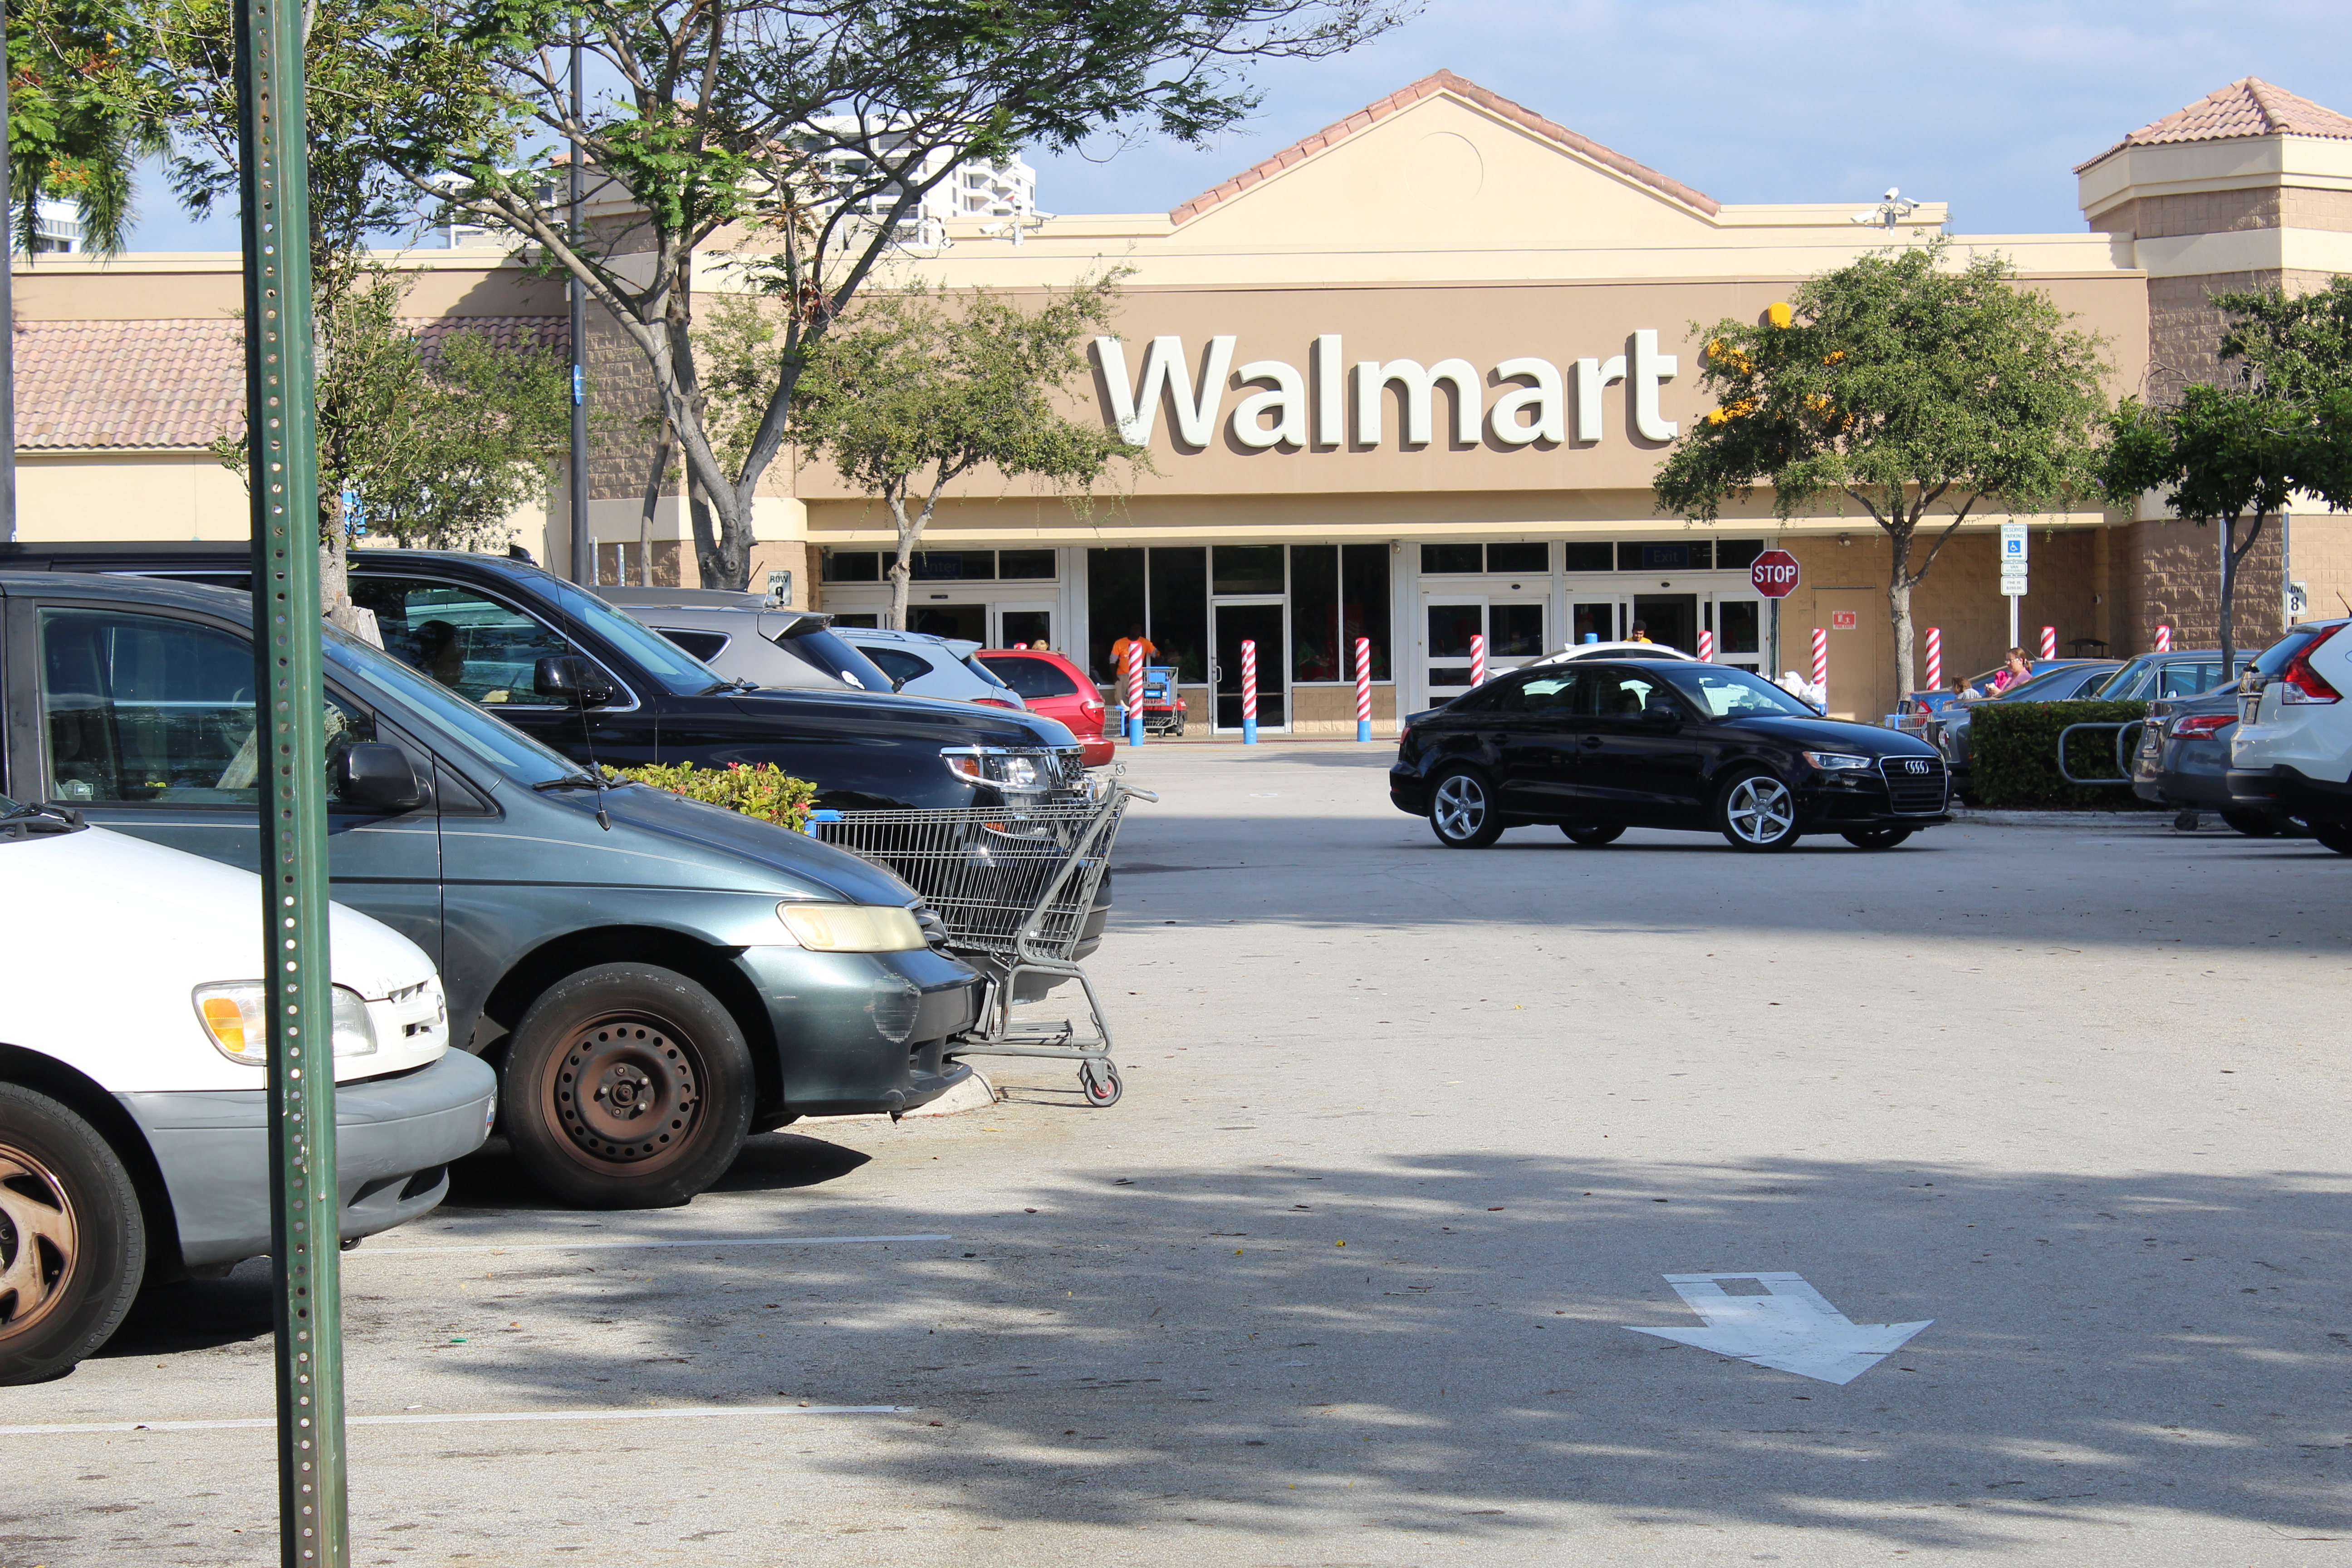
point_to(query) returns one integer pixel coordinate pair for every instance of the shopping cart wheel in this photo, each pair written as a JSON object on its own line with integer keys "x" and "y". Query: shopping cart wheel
{"x": 1100, "y": 1080}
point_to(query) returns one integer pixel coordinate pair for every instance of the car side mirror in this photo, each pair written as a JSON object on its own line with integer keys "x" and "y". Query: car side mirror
{"x": 372, "y": 775}
{"x": 572, "y": 680}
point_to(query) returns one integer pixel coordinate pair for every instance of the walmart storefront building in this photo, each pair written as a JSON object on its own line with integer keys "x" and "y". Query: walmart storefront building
{"x": 1408, "y": 380}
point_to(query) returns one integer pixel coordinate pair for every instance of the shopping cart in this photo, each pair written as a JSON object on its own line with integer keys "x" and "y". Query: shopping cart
{"x": 1013, "y": 885}
{"x": 1162, "y": 708}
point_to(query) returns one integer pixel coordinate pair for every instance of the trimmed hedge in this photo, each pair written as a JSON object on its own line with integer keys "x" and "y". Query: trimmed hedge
{"x": 766, "y": 792}
{"x": 2014, "y": 755}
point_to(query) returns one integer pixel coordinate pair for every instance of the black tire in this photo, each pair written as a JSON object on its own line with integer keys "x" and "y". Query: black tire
{"x": 73, "y": 1246}
{"x": 2252, "y": 824}
{"x": 627, "y": 1087}
{"x": 1876, "y": 837}
{"x": 1462, "y": 810}
{"x": 2336, "y": 836}
{"x": 1592, "y": 835}
{"x": 1757, "y": 813}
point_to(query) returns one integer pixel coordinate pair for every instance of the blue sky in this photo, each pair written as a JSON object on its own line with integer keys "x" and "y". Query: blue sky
{"x": 1987, "y": 104}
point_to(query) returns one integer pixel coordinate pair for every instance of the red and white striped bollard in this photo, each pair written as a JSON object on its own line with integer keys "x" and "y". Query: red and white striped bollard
{"x": 2164, "y": 640}
{"x": 2050, "y": 642}
{"x": 1935, "y": 658}
{"x": 1706, "y": 647}
{"x": 1135, "y": 692}
{"x": 1363, "y": 689}
{"x": 1821, "y": 662}
{"x": 1477, "y": 658}
{"x": 1249, "y": 692}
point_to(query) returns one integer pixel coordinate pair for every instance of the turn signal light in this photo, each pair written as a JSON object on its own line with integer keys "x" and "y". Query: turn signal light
{"x": 2299, "y": 682}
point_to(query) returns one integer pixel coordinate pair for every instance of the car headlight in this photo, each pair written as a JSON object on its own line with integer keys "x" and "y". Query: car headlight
{"x": 852, "y": 928}
{"x": 233, "y": 1015}
{"x": 1836, "y": 762}
{"x": 1009, "y": 770}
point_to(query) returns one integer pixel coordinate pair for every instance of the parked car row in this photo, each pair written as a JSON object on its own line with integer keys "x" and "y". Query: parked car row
{"x": 631, "y": 981}
{"x": 2150, "y": 677}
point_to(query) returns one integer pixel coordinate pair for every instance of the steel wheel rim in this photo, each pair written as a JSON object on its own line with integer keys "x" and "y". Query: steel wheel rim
{"x": 39, "y": 1241}
{"x": 625, "y": 1091}
{"x": 1460, "y": 808}
{"x": 1762, "y": 810}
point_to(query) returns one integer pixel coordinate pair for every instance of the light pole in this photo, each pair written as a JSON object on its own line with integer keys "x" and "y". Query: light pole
{"x": 7, "y": 312}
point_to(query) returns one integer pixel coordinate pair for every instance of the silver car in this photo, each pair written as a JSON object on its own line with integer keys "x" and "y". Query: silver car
{"x": 749, "y": 637}
{"x": 926, "y": 666}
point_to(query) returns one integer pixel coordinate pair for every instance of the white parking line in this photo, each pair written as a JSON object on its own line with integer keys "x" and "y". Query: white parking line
{"x": 679, "y": 1413}
{"x": 366, "y": 1252}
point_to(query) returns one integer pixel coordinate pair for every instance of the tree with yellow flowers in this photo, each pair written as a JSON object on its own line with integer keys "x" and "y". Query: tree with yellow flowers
{"x": 1916, "y": 389}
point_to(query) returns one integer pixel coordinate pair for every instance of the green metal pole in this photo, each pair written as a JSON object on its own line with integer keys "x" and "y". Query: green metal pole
{"x": 281, "y": 420}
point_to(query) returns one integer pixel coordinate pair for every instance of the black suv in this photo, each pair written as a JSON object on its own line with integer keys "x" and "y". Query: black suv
{"x": 621, "y": 694}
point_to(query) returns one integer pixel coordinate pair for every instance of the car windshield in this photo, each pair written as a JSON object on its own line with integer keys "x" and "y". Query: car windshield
{"x": 677, "y": 671}
{"x": 492, "y": 742}
{"x": 835, "y": 657}
{"x": 2277, "y": 656}
{"x": 1723, "y": 692}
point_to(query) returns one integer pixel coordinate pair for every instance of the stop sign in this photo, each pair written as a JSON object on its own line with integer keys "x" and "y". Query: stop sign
{"x": 1775, "y": 573}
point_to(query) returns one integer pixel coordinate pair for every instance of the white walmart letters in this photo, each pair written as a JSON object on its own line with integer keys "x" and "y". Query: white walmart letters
{"x": 1532, "y": 404}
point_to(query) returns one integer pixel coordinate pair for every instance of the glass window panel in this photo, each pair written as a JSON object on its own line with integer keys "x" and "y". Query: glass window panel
{"x": 1515, "y": 631}
{"x": 1316, "y": 653}
{"x": 1249, "y": 569}
{"x": 1033, "y": 677}
{"x": 1032, "y": 628}
{"x": 852, "y": 566}
{"x": 704, "y": 646}
{"x": 857, "y": 619}
{"x": 1586, "y": 555}
{"x": 967, "y": 623}
{"x": 1738, "y": 622}
{"x": 1180, "y": 609}
{"x": 1442, "y": 558}
{"x": 1553, "y": 694}
{"x": 1532, "y": 558}
{"x": 1667, "y": 557}
{"x": 1737, "y": 554}
{"x": 1024, "y": 565}
{"x": 1364, "y": 595}
{"x": 1451, "y": 627}
{"x": 1115, "y": 605}
{"x": 1594, "y": 621}
{"x": 953, "y": 565}
{"x": 474, "y": 646}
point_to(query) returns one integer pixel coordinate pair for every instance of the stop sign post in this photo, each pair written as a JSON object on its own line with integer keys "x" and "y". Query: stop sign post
{"x": 1775, "y": 575}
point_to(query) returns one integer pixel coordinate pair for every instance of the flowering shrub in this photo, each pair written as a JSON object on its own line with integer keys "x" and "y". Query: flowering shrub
{"x": 766, "y": 791}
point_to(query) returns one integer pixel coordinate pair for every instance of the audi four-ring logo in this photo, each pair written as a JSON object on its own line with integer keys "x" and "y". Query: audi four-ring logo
{"x": 1914, "y": 765}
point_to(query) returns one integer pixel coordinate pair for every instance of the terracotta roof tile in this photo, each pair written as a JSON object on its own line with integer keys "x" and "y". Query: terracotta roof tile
{"x": 169, "y": 386}
{"x": 1429, "y": 87}
{"x": 2248, "y": 107}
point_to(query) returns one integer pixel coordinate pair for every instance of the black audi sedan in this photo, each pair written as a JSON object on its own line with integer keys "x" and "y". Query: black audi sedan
{"x": 1596, "y": 748}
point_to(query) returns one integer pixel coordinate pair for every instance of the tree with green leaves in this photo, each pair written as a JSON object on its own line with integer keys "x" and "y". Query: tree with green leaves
{"x": 2238, "y": 453}
{"x": 81, "y": 116}
{"x": 1916, "y": 389}
{"x": 805, "y": 133}
{"x": 923, "y": 388}
{"x": 428, "y": 444}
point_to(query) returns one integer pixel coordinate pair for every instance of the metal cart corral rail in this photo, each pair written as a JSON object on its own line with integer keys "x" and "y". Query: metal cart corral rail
{"x": 1013, "y": 885}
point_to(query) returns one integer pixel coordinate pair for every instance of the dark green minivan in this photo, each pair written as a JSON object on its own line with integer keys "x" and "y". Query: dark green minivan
{"x": 652, "y": 978}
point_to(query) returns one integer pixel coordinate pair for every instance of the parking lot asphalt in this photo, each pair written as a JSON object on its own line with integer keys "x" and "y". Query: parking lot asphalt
{"x": 1410, "y": 1138}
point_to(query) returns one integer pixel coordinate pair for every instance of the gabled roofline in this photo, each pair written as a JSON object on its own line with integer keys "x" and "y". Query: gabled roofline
{"x": 1464, "y": 88}
{"x": 2283, "y": 114}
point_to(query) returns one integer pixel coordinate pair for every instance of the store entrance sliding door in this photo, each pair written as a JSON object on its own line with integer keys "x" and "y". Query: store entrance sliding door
{"x": 1261, "y": 623}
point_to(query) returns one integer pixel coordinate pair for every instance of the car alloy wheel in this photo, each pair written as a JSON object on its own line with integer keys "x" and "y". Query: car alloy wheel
{"x": 1759, "y": 812}
{"x": 1461, "y": 813}
{"x": 73, "y": 1244}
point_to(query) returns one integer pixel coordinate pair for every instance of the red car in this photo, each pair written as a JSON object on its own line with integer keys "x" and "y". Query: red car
{"x": 1058, "y": 688}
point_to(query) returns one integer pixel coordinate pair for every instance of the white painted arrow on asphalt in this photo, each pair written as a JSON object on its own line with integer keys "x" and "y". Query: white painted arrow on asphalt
{"x": 1791, "y": 1328}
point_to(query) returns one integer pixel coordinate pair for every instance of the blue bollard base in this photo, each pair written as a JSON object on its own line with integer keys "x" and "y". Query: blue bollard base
{"x": 1363, "y": 730}
{"x": 1249, "y": 732}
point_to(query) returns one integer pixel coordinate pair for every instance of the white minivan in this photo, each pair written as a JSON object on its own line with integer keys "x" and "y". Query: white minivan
{"x": 133, "y": 1113}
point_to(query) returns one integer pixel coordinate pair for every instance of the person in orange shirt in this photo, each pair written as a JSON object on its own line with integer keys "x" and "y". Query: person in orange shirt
{"x": 1119, "y": 651}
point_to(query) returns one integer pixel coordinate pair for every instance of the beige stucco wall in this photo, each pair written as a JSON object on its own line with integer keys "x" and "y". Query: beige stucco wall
{"x": 174, "y": 496}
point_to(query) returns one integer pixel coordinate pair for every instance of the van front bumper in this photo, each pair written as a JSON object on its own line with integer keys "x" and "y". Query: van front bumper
{"x": 394, "y": 1138}
{"x": 858, "y": 1033}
